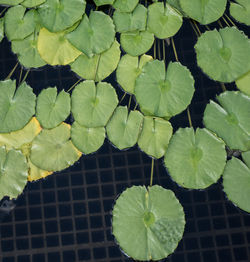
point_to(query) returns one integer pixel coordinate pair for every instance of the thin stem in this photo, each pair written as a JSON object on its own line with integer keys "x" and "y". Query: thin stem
{"x": 223, "y": 87}
{"x": 155, "y": 49}
{"x": 12, "y": 71}
{"x": 152, "y": 172}
{"x": 198, "y": 29}
{"x": 229, "y": 19}
{"x": 163, "y": 50}
{"x": 25, "y": 76}
{"x": 78, "y": 81}
{"x": 220, "y": 24}
{"x": 97, "y": 66}
{"x": 197, "y": 34}
{"x": 189, "y": 117}
{"x": 159, "y": 50}
{"x": 135, "y": 106}
{"x": 123, "y": 97}
{"x": 207, "y": 27}
{"x": 175, "y": 53}
{"x": 225, "y": 21}
{"x": 129, "y": 103}
{"x": 3, "y": 11}
{"x": 20, "y": 76}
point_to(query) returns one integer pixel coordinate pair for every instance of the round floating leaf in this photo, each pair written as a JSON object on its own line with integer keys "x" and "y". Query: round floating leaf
{"x": 236, "y": 183}
{"x": 10, "y": 2}
{"x": 52, "y": 149}
{"x": 137, "y": 42}
{"x": 163, "y": 20}
{"x": 246, "y": 158}
{"x": 98, "y": 67}
{"x": 32, "y": 3}
{"x": 93, "y": 105}
{"x": 55, "y": 49}
{"x": 204, "y": 11}
{"x": 1, "y": 29}
{"x": 36, "y": 173}
{"x": 58, "y": 15}
{"x": 243, "y": 83}
{"x": 175, "y": 4}
{"x": 27, "y": 52}
{"x": 94, "y": 35}
{"x": 125, "y": 22}
{"x": 103, "y": 2}
{"x": 52, "y": 109}
{"x": 240, "y": 11}
{"x": 123, "y": 129}
{"x": 195, "y": 159}
{"x": 13, "y": 173}
{"x": 87, "y": 139}
{"x": 19, "y": 24}
{"x": 155, "y": 136}
{"x": 223, "y": 55}
{"x": 125, "y": 5}
{"x": 129, "y": 68}
{"x": 231, "y": 119}
{"x": 164, "y": 93}
{"x": 148, "y": 224}
{"x": 16, "y": 106}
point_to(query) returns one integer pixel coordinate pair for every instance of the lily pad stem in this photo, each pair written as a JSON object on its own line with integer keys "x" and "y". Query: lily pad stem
{"x": 175, "y": 53}
{"x": 78, "y": 81}
{"x": 129, "y": 103}
{"x": 152, "y": 172}
{"x": 198, "y": 29}
{"x": 159, "y": 50}
{"x": 197, "y": 34}
{"x": 208, "y": 28}
{"x": 25, "y": 76}
{"x": 135, "y": 106}
{"x": 123, "y": 97}
{"x": 189, "y": 117}
{"x": 163, "y": 50}
{"x": 223, "y": 87}
{"x": 225, "y": 21}
{"x": 20, "y": 76}
{"x": 220, "y": 24}
{"x": 229, "y": 19}
{"x": 12, "y": 71}
{"x": 3, "y": 11}
{"x": 155, "y": 49}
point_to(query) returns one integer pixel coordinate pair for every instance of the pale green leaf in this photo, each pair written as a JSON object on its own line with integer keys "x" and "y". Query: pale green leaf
{"x": 243, "y": 83}
{"x": 125, "y": 5}
{"x": 32, "y": 3}
{"x": 240, "y": 11}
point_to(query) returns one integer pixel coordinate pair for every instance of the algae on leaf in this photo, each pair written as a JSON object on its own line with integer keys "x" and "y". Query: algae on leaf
{"x": 148, "y": 223}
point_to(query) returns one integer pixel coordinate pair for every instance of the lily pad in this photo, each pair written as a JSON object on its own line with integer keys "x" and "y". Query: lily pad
{"x": 36, "y": 173}
{"x": 204, "y": 11}
{"x": 13, "y": 173}
{"x": 231, "y": 119}
{"x": 93, "y": 105}
{"x": 99, "y": 66}
{"x": 148, "y": 223}
{"x": 10, "y": 2}
{"x": 175, "y": 4}
{"x": 240, "y": 11}
{"x": 246, "y": 158}
{"x": 137, "y": 43}
{"x": 55, "y": 49}
{"x": 1, "y": 29}
{"x": 155, "y": 136}
{"x": 19, "y": 24}
{"x": 195, "y": 159}
{"x": 164, "y": 93}
{"x": 27, "y": 52}
{"x": 236, "y": 183}
{"x": 163, "y": 20}
{"x": 125, "y": 5}
{"x": 103, "y": 2}
{"x": 52, "y": 149}
{"x": 123, "y": 129}
{"x": 58, "y": 15}
{"x": 16, "y": 106}
{"x": 32, "y": 3}
{"x": 223, "y": 55}
{"x": 137, "y": 20}
{"x": 87, "y": 139}
{"x": 243, "y": 83}
{"x": 129, "y": 68}
{"x": 94, "y": 35}
{"x": 52, "y": 109}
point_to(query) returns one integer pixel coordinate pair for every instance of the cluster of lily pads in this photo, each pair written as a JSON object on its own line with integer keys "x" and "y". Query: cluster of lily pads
{"x": 36, "y": 141}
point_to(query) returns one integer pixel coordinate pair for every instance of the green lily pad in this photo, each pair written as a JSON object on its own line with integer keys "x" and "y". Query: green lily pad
{"x": 52, "y": 149}
{"x": 246, "y": 158}
{"x": 195, "y": 159}
{"x": 94, "y": 35}
{"x": 155, "y": 136}
{"x": 236, "y": 183}
{"x": 19, "y": 24}
{"x": 123, "y": 129}
{"x": 13, "y": 173}
{"x": 230, "y": 119}
{"x": 36, "y": 173}
{"x": 103, "y": 2}
{"x": 164, "y": 93}
{"x": 129, "y": 68}
{"x": 148, "y": 223}
{"x": 137, "y": 20}
{"x": 27, "y": 52}
{"x": 125, "y": 5}
{"x": 137, "y": 43}
{"x": 55, "y": 49}
{"x": 223, "y": 55}
{"x": 87, "y": 139}
{"x": 175, "y": 4}
{"x": 240, "y": 11}
{"x": 52, "y": 109}
{"x": 1, "y": 29}
{"x": 99, "y": 66}
{"x": 163, "y": 20}
{"x": 204, "y": 11}
{"x": 59, "y": 15}
{"x": 16, "y": 106}
{"x": 243, "y": 83}
{"x": 32, "y": 3}
{"x": 10, "y": 2}
{"x": 93, "y": 105}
